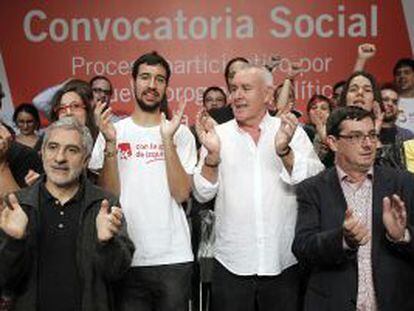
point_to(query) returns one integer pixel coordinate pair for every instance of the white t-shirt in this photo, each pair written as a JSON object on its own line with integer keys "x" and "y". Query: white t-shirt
{"x": 156, "y": 223}
{"x": 406, "y": 115}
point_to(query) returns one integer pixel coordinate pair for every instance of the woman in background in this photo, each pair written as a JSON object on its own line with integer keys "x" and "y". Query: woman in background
{"x": 318, "y": 109}
{"x": 26, "y": 117}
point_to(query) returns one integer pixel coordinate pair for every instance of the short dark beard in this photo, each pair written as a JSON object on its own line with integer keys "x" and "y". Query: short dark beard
{"x": 145, "y": 107}
{"x": 390, "y": 119}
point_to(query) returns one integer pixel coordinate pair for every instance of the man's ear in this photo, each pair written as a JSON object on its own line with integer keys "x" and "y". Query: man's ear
{"x": 332, "y": 142}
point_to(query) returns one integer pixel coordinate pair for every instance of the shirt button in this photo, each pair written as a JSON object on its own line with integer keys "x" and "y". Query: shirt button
{"x": 60, "y": 226}
{"x": 62, "y": 213}
{"x": 57, "y": 202}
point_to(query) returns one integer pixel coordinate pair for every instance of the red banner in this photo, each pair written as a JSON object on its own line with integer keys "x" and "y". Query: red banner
{"x": 44, "y": 43}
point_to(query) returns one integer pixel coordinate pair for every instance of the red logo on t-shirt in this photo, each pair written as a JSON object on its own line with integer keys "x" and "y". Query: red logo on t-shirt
{"x": 125, "y": 150}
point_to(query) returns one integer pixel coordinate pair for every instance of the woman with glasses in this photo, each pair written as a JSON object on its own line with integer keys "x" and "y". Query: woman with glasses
{"x": 26, "y": 117}
{"x": 75, "y": 99}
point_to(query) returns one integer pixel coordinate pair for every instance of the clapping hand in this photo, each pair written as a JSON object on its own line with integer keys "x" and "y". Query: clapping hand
{"x": 205, "y": 129}
{"x": 274, "y": 63}
{"x": 5, "y": 141}
{"x": 379, "y": 116}
{"x": 13, "y": 220}
{"x": 169, "y": 127}
{"x": 103, "y": 115}
{"x": 287, "y": 129}
{"x": 295, "y": 69}
{"x": 355, "y": 231}
{"x": 108, "y": 221}
{"x": 394, "y": 217}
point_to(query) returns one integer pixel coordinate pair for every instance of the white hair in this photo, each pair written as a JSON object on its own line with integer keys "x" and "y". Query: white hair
{"x": 265, "y": 74}
{"x": 70, "y": 123}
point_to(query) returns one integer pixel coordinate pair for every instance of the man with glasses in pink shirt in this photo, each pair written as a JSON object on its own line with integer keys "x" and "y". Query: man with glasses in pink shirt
{"x": 355, "y": 224}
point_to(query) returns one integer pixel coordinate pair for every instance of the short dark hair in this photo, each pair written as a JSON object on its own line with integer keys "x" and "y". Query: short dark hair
{"x": 84, "y": 90}
{"x": 338, "y": 84}
{"x": 231, "y": 62}
{"x": 214, "y": 88}
{"x": 318, "y": 98}
{"x": 30, "y": 109}
{"x": 151, "y": 59}
{"x": 370, "y": 77}
{"x": 335, "y": 119}
{"x": 389, "y": 86}
{"x": 403, "y": 62}
{"x": 95, "y": 78}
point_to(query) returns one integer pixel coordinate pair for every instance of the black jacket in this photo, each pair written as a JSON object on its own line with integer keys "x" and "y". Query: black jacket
{"x": 319, "y": 243}
{"x": 98, "y": 264}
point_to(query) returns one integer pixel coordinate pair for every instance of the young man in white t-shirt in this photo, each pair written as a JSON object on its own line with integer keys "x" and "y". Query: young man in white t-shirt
{"x": 155, "y": 161}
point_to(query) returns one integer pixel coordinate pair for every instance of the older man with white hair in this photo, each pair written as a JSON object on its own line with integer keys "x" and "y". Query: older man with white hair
{"x": 251, "y": 165}
{"x": 63, "y": 240}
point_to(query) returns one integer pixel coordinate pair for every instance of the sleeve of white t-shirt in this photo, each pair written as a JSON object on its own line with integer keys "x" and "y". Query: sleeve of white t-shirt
{"x": 186, "y": 149}
{"x": 306, "y": 162}
{"x": 97, "y": 158}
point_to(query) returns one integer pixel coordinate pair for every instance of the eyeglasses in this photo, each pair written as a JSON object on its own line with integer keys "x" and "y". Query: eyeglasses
{"x": 73, "y": 106}
{"x": 101, "y": 91}
{"x": 358, "y": 138}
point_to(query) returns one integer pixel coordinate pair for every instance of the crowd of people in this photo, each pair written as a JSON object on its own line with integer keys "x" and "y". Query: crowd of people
{"x": 249, "y": 207}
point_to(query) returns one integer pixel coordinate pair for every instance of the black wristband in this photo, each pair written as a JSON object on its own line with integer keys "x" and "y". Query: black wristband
{"x": 284, "y": 153}
{"x": 210, "y": 164}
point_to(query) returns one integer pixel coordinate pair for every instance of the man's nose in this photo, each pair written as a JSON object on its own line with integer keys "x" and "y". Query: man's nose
{"x": 68, "y": 110}
{"x": 368, "y": 142}
{"x": 152, "y": 83}
{"x": 60, "y": 156}
{"x": 238, "y": 93}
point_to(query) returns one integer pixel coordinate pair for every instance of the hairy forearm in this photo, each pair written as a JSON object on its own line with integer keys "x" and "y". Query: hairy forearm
{"x": 210, "y": 167}
{"x": 7, "y": 181}
{"x": 287, "y": 156}
{"x": 178, "y": 180}
{"x": 109, "y": 177}
{"x": 210, "y": 173}
{"x": 283, "y": 98}
{"x": 359, "y": 64}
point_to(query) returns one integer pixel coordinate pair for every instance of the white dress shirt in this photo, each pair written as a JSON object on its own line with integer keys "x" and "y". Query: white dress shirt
{"x": 255, "y": 200}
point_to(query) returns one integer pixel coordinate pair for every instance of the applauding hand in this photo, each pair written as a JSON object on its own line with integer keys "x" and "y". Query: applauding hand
{"x": 168, "y": 128}
{"x": 394, "y": 217}
{"x": 13, "y": 220}
{"x": 108, "y": 221}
